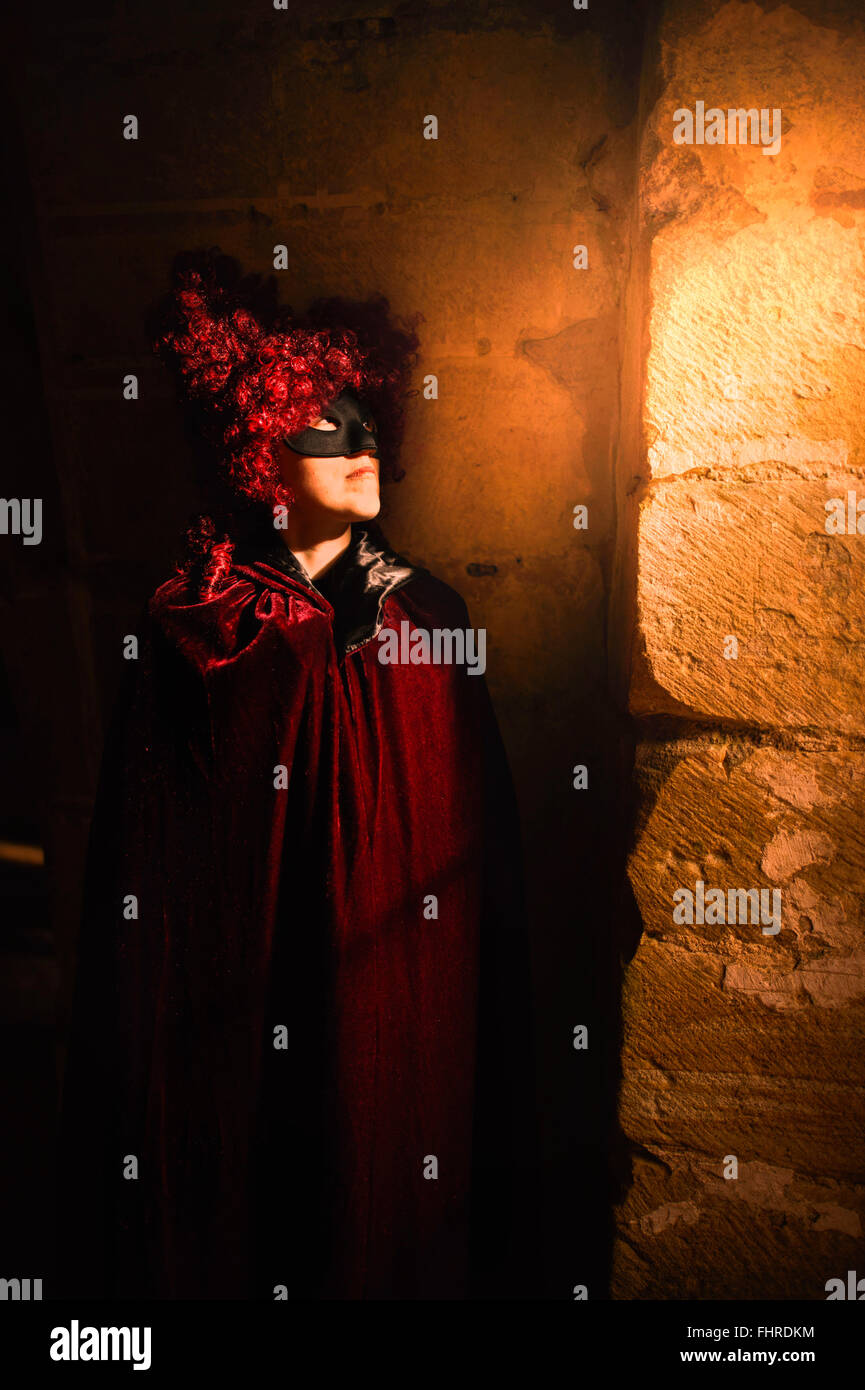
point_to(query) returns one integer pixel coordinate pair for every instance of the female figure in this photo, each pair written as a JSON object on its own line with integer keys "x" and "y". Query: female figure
{"x": 300, "y": 1062}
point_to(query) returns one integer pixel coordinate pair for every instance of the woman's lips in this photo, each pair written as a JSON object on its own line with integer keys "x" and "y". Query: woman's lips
{"x": 362, "y": 472}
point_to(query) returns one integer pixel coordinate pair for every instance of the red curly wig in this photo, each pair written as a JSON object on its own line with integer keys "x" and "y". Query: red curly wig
{"x": 257, "y": 373}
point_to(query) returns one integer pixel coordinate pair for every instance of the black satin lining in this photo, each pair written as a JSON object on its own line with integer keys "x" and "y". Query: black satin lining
{"x": 356, "y": 585}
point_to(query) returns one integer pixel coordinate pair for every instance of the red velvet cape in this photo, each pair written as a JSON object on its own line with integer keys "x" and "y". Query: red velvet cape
{"x": 295, "y": 908}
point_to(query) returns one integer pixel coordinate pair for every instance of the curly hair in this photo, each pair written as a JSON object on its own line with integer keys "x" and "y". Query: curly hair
{"x": 256, "y": 373}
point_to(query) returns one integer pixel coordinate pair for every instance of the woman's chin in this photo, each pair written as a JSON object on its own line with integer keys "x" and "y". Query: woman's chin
{"x": 365, "y": 511}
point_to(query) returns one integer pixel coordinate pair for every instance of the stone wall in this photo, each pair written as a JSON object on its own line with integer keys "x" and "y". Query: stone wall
{"x": 740, "y": 621}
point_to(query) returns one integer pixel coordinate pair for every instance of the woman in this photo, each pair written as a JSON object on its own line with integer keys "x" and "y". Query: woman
{"x": 300, "y": 1066}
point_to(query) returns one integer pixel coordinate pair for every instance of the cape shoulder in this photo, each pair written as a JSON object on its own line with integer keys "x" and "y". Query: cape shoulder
{"x": 234, "y": 619}
{"x": 255, "y": 604}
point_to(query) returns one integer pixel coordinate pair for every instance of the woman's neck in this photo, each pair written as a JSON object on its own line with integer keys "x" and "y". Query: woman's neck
{"x": 316, "y": 554}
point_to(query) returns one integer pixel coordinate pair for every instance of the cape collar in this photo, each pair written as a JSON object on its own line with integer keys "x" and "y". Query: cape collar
{"x": 355, "y": 586}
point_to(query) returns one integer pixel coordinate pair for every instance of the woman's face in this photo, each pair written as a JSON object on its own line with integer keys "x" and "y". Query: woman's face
{"x": 338, "y": 489}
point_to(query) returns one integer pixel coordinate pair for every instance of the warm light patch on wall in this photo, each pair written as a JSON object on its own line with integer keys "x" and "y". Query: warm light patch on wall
{"x": 756, "y": 346}
{"x": 11, "y": 853}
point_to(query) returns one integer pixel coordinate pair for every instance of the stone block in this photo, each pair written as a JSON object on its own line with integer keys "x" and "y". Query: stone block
{"x": 751, "y": 560}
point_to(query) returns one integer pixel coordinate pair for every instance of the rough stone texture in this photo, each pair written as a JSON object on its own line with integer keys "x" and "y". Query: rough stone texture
{"x": 735, "y": 814}
{"x": 751, "y": 559}
{"x": 686, "y": 1229}
{"x": 736, "y": 1041}
{"x": 751, "y": 771}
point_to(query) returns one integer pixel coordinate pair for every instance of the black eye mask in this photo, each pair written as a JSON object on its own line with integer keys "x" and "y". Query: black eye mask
{"x": 351, "y": 416}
